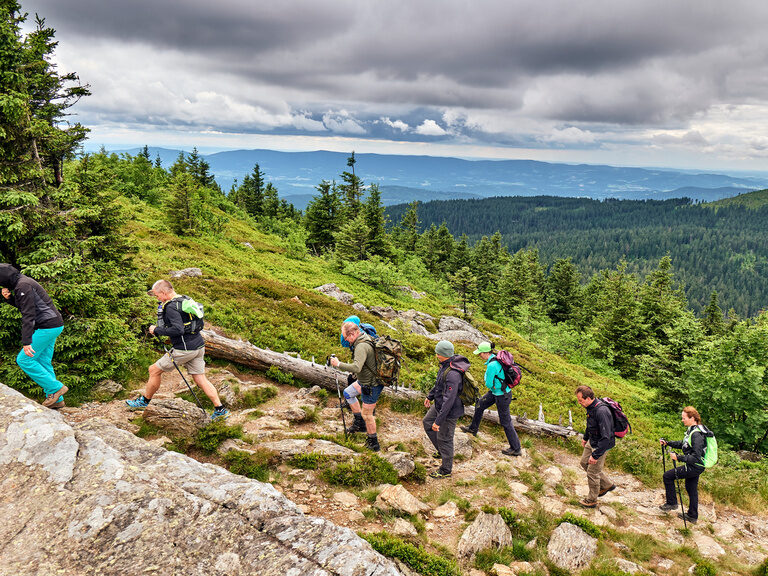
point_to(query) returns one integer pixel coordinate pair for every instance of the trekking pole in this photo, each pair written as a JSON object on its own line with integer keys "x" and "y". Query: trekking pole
{"x": 679, "y": 492}
{"x": 179, "y": 370}
{"x": 338, "y": 391}
{"x": 664, "y": 457}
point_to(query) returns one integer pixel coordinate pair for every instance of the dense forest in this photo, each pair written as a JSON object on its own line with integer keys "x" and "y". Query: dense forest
{"x": 713, "y": 247}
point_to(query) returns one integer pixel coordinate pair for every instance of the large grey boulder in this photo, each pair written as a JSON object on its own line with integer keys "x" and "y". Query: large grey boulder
{"x": 93, "y": 499}
{"x": 187, "y": 273}
{"x": 570, "y": 548}
{"x": 487, "y": 531}
{"x": 450, "y": 323}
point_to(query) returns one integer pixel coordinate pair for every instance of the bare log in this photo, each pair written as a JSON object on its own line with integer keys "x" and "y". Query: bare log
{"x": 245, "y": 353}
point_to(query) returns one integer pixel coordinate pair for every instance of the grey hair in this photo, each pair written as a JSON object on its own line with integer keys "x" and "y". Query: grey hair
{"x": 162, "y": 286}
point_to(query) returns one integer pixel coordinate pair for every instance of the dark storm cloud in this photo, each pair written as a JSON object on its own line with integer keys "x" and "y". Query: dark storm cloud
{"x": 341, "y": 66}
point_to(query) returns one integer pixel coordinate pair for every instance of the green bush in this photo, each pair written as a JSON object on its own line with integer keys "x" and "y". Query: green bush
{"x": 309, "y": 461}
{"x": 704, "y": 568}
{"x": 762, "y": 570}
{"x": 257, "y": 396}
{"x": 419, "y": 474}
{"x": 582, "y": 523}
{"x": 274, "y": 373}
{"x": 367, "y": 470}
{"x": 485, "y": 559}
{"x": 254, "y": 465}
{"x": 210, "y": 437}
{"x": 415, "y": 557}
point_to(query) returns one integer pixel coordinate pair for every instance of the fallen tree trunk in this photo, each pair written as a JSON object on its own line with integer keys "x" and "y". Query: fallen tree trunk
{"x": 245, "y": 353}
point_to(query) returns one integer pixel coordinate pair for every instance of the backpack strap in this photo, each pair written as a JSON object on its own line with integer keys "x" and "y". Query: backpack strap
{"x": 504, "y": 377}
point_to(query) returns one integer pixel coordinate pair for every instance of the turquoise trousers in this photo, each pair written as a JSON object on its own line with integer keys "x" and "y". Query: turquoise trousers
{"x": 38, "y": 367}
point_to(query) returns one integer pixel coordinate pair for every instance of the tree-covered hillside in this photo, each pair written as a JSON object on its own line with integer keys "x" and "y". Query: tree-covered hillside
{"x": 723, "y": 249}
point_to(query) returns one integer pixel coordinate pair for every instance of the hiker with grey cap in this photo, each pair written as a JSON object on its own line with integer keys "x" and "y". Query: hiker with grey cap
{"x": 498, "y": 393}
{"x": 41, "y": 324}
{"x": 445, "y": 407}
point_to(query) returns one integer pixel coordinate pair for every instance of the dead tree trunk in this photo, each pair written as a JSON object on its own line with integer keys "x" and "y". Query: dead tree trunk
{"x": 245, "y": 353}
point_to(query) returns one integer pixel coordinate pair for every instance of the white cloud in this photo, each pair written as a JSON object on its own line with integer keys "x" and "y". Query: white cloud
{"x": 342, "y": 123}
{"x": 397, "y": 124}
{"x": 430, "y": 128}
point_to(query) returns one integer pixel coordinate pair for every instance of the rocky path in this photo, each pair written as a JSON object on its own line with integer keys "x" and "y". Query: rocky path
{"x": 547, "y": 479}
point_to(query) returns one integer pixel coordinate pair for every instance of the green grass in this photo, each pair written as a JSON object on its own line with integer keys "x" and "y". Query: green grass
{"x": 415, "y": 557}
{"x": 210, "y": 437}
{"x": 485, "y": 559}
{"x": 145, "y": 428}
{"x": 257, "y": 396}
{"x": 256, "y": 466}
{"x": 366, "y": 470}
{"x": 308, "y": 461}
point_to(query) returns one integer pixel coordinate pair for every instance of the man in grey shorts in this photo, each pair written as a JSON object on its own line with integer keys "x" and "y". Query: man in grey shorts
{"x": 188, "y": 350}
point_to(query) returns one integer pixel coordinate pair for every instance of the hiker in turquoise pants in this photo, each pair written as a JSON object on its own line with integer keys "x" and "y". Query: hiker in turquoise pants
{"x": 41, "y": 324}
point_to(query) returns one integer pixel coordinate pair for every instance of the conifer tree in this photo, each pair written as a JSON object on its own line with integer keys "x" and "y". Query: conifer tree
{"x": 465, "y": 284}
{"x": 183, "y": 204}
{"x": 376, "y": 220}
{"x": 406, "y": 233}
{"x": 563, "y": 290}
{"x": 323, "y": 217}
{"x": 713, "y": 322}
{"x": 352, "y": 240}
{"x": 351, "y": 189}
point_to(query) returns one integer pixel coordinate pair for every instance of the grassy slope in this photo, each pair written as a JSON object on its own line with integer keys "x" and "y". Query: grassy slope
{"x": 753, "y": 200}
{"x": 248, "y": 292}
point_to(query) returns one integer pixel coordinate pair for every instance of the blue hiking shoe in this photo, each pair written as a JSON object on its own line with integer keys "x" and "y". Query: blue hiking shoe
{"x": 220, "y": 414}
{"x": 139, "y": 404}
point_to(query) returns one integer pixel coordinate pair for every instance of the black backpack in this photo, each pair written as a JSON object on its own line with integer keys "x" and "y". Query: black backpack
{"x": 191, "y": 312}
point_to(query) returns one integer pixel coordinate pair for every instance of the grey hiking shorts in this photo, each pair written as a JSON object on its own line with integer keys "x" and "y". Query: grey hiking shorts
{"x": 192, "y": 360}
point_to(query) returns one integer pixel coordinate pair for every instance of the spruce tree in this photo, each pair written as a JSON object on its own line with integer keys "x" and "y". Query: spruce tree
{"x": 563, "y": 290}
{"x": 351, "y": 189}
{"x": 323, "y": 217}
{"x": 352, "y": 240}
{"x": 713, "y": 322}
{"x": 376, "y": 220}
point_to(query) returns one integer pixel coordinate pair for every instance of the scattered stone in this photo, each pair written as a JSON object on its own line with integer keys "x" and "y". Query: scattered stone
{"x": 462, "y": 444}
{"x": 447, "y": 510}
{"x": 187, "y": 273}
{"x": 386, "y": 312}
{"x": 411, "y": 292}
{"x": 346, "y": 499}
{"x": 360, "y": 307}
{"x": 501, "y": 570}
{"x": 458, "y": 336}
{"x": 609, "y": 512}
{"x": 487, "y": 531}
{"x": 305, "y": 508}
{"x": 176, "y": 416}
{"x": 552, "y": 476}
{"x": 107, "y": 389}
{"x": 570, "y": 548}
{"x": 665, "y": 565}
{"x": 291, "y": 414}
{"x": 404, "y": 528}
{"x": 551, "y": 505}
{"x": 248, "y": 245}
{"x": 429, "y": 526}
{"x": 291, "y": 447}
{"x": 522, "y": 567}
{"x": 707, "y": 546}
{"x": 417, "y": 328}
{"x": 532, "y": 544}
{"x": 301, "y": 487}
{"x": 398, "y": 498}
{"x": 401, "y": 461}
{"x": 518, "y": 487}
{"x": 265, "y": 423}
{"x": 724, "y": 530}
{"x": 630, "y": 567}
{"x": 336, "y": 293}
{"x": 356, "y": 516}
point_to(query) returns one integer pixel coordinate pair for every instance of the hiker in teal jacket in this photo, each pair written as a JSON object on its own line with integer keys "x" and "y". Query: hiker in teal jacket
{"x": 500, "y": 394}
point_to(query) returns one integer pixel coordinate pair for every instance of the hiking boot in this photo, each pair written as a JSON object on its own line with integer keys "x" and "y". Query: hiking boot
{"x": 667, "y": 507}
{"x": 221, "y": 413}
{"x": 358, "y": 425}
{"x": 510, "y": 452}
{"x": 439, "y": 475}
{"x": 437, "y": 456}
{"x": 51, "y": 399}
{"x": 604, "y": 492}
{"x": 588, "y": 503}
{"x": 690, "y": 519}
{"x": 139, "y": 404}
{"x": 372, "y": 443}
{"x": 468, "y": 430}
{"x": 59, "y": 404}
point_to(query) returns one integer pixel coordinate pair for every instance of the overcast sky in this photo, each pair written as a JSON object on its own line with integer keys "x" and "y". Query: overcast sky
{"x": 654, "y": 83}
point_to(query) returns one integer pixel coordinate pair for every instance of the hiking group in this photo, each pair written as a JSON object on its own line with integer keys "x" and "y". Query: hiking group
{"x": 375, "y": 364}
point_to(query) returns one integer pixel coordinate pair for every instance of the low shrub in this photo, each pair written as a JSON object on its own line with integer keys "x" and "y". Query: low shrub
{"x": 366, "y": 470}
{"x": 256, "y": 465}
{"x": 485, "y": 559}
{"x": 762, "y": 570}
{"x": 309, "y": 461}
{"x": 210, "y": 437}
{"x": 415, "y": 557}
{"x": 704, "y": 568}
{"x": 274, "y": 373}
{"x": 582, "y": 523}
{"x": 257, "y": 396}
{"x": 419, "y": 474}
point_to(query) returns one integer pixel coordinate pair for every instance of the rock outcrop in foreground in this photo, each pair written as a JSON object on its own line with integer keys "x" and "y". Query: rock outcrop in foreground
{"x": 94, "y": 499}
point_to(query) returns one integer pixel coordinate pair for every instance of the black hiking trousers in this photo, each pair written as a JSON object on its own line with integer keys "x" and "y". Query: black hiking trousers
{"x": 505, "y": 419}
{"x": 691, "y": 475}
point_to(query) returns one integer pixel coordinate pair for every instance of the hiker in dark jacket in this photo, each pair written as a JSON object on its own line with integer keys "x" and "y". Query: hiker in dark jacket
{"x": 693, "y": 445}
{"x": 598, "y": 439}
{"x": 498, "y": 393}
{"x": 363, "y": 367}
{"x": 187, "y": 350}
{"x": 41, "y": 324}
{"x": 445, "y": 407}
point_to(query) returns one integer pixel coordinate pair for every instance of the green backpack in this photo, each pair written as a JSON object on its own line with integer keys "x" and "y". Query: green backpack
{"x": 194, "y": 311}
{"x": 469, "y": 391}
{"x": 710, "y": 452}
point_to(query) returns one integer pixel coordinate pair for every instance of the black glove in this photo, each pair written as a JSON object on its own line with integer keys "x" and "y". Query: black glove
{"x": 350, "y": 379}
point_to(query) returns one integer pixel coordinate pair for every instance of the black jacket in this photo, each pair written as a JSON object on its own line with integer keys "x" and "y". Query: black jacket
{"x": 445, "y": 393}
{"x": 173, "y": 327}
{"x": 693, "y": 445}
{"x": 36, "y": 307}
{"x": 599, "y": 430}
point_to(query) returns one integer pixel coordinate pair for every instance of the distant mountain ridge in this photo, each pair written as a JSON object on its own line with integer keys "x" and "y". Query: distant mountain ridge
{"x": 424, "y": 178}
